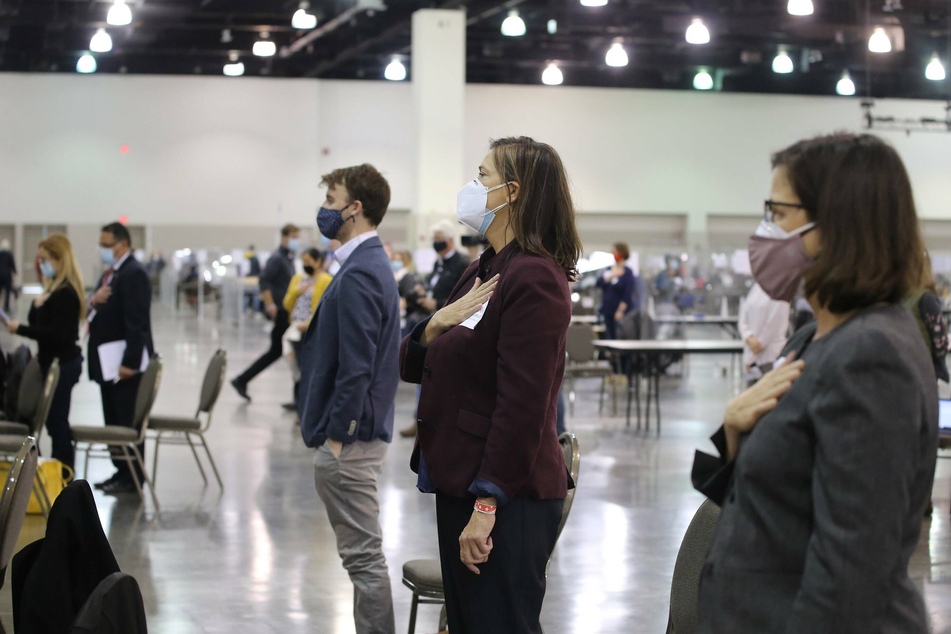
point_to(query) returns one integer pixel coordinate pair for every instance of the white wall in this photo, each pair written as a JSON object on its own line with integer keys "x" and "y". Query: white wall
{"x": 699, "y": 153}
{"x": 249, "y": 152}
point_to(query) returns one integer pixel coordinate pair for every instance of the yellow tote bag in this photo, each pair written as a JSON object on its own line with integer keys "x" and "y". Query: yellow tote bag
{"x": 49, "y": 472}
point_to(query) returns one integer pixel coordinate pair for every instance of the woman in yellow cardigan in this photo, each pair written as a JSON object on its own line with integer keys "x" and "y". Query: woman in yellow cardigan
{"x": 300, "y": 301}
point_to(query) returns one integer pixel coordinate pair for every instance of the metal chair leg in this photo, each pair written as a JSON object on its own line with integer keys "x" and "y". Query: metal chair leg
{"x": 39, "y": 490}
{"x": 158, "y": 441}
{"x": 201, "y": 470}
{"x": 145, "y": 476}
{"x": 412, "y": 614}
{"x": 211, "y": 461}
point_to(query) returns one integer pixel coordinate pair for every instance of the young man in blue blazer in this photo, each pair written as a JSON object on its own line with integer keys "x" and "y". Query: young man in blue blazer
{"x": 349, "y": 375}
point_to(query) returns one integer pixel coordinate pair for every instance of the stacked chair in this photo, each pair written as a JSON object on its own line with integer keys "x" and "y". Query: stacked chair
{"x": 33, "y": 408}
{"x": 13, "y": 503}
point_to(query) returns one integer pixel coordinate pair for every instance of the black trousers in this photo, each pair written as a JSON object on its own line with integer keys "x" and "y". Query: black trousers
{"x": 506, "y": 595}
{"x": 118, "y": 408}
{"x": 57, "y": 423}
{"x": 281, "y": 323}
{"x": 6, "y": 289}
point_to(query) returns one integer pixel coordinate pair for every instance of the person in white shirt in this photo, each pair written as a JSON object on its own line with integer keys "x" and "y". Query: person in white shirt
{"x": 764, "y": 326}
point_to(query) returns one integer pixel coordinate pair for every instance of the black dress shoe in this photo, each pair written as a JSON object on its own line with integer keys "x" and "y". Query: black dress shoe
{"x": 104, "y": 483}
{"x": 120, "y": 485}
{"x": 241, "y": 389}
{"x": 291, "y": 407}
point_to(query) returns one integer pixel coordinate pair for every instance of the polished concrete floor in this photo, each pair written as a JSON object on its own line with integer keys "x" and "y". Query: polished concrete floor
{"x": 259, "y": 556}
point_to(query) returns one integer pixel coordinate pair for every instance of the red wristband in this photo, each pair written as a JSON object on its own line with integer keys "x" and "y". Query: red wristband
{"x": 481, "y": 507}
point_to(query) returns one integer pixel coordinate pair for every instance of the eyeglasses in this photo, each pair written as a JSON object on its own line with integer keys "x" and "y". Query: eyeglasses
{"x": 772, "y": 207}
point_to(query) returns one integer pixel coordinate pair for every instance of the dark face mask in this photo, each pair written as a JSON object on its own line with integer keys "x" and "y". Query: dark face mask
{"x": 309, "y": 270}
{"x": 439, "y": 246}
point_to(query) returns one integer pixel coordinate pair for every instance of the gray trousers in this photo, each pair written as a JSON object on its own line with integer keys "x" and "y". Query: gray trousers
{"x": 347, "y": 487}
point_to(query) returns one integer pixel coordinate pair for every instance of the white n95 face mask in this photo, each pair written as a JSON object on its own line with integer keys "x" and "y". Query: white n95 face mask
{"x": 470, "y": 205}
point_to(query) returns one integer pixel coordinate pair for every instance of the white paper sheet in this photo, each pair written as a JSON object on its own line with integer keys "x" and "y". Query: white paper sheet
{"x": 476, "y": 318}
{"x": 110, "y": 358}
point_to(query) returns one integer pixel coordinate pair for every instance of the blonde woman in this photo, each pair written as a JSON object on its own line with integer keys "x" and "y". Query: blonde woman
{"x": 53, "y": 322}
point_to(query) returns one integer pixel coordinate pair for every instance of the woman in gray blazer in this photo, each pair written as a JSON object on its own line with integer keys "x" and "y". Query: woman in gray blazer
{"x": 827, "y": 463}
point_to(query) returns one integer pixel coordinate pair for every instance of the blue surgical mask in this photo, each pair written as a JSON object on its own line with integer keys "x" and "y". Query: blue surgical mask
{"x": 396, "y": 265}
{"x": 293, "y": 244}
{"x": 471, "y": 207}
{"x": 107, "y": 256}
{"x": 329, "y": 221}
{"x": 48, "y": 271}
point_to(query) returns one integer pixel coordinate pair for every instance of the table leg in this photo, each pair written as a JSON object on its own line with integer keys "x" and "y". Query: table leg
{"x": 637, "y": 396}
{"x": 630, "y": 378}
{"x": 657, "y": 399}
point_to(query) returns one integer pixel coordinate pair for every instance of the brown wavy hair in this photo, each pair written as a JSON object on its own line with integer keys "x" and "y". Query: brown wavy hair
{"x": 542, "y": 217}
{"x": 60, "y": 248}
{"x": 857, "y": 191}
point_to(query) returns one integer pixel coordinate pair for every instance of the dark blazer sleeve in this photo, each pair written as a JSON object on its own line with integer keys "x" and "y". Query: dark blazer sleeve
{"x": 534, "y": 318}
{"x": 413, "y": 354}
{"x": 862, "y": 475}
{"x": 360, "y": 309}
{"x": 136, "y": 301}
{"x": 63, "y": 306}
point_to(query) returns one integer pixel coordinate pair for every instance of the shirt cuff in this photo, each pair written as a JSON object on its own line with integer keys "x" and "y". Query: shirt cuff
{"x": 481, "y": 487}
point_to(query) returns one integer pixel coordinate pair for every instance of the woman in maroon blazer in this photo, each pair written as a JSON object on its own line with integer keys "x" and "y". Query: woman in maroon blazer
{"x": 490, "y": 363}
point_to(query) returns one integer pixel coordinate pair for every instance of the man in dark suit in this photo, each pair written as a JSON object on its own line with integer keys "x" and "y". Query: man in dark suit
{"x": 119, "y": 311}
{"x": 349, "y": 376}
{"x": 449, "y": 268}
{"x": 273, "y": 283}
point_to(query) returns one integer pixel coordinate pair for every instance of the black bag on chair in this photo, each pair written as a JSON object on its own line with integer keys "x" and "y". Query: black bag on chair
{"x": 53, "y": 578}
{"x": 115, "y": 607}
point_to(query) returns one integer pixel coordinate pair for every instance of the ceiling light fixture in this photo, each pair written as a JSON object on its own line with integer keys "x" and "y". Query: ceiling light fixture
{"x": 264, "y": 47}
{"x": 703, "y": 81}
{"x": 395, "y": 71}
{"x": 697, "y": 32}
{"x": 935, "y": 70}
{"x": 303, "y": 20}
{"x": 86, "y": 64}
{"x": 800, "y": 7}
{"x": 234, "y": 68}
{"x": 513, "y": 25}
{"x": 552, "y": 75}
{"x": 552, "y": 27}
{"x": 616, "y": 55}
{"x": 100, "y": 42}
{"x": 782, "y": 63}
{"x": 593, "y": 3}
{"x": 226, "y": 36}
{"x": 119, "y": 14}
{"x": 845, "y": 86}
{"x": 879, "y": 41}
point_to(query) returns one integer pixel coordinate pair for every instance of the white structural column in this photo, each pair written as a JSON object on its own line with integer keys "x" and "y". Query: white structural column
{"x": 439, "y": 83}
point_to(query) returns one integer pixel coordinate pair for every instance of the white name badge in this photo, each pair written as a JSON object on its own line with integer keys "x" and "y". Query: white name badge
{"x": 476, "y": 318}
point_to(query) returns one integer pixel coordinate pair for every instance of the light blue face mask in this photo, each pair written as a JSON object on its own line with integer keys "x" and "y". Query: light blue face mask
{"x": 107, "y": 256}
{"x": 47, "y": 270}
{"x": 293, "y": 245}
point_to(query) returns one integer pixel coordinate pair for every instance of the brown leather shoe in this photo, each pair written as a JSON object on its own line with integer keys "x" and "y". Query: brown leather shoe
{"x": 408, "y": 432}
